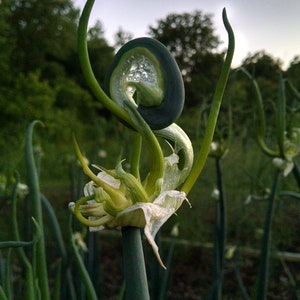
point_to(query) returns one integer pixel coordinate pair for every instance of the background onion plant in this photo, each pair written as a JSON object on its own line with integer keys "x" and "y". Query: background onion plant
{"x": 150, "y": 177}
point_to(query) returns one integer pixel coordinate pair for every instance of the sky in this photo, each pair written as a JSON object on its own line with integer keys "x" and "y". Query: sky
{"x": 270, "y": 25}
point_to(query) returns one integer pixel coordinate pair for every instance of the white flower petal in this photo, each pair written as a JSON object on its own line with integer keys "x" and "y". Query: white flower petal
{"x": 115, "y": 183}
{"x": 151, "y": 216}
{"x": 172, "y": 174}
{"x": 89, "y": 188}
{"x": 289, "y": 167}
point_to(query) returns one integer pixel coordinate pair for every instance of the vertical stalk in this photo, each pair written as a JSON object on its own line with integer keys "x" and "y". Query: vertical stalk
{"x": 29, "y": 277}
{"x": 39, "y": 258}
{"x": 83, "y": 273}
{"x": 166, "y": 273}
{"x": 281, "y": 116}
{"x": 263, "y": 275}
{"x": 136, "y": 284}
{"x": 238, "y": 276}
{"x": 296, "y": 172}
{"x": 134, "y": 265}
{"x": 220, "y": 235}
{"x": 135, "y": 156}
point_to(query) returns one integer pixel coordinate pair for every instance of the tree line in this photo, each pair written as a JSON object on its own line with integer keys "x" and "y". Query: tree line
{"x": 40, "y": 76}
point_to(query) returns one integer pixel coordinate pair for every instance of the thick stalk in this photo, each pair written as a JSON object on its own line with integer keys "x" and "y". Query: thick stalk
{"x": 134, "y": 265}
{"x": 263, "y": 275}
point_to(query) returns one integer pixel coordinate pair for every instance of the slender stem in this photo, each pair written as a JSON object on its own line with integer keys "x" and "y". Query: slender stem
{"x": 296, "y": 172}
{"x": 39, "y": 259}
{"x": 30, "y": 289}
{"x": 56, "y": 229}
{"x": 135, "y": 156}
{"x": 220, "y": 234}
{"x": 87, "y": 69}
{"x": 281, "y": 117}
{"x": 261, "y": 124}
{"x": 8, "y": 285}
{"x": 134, "y": 265}
{"x": 214, "y": 112}
{"x": 166, "y": 273}
{"x": 238, "y": 276}
{"x": 263, "y": 275}
{"x": 89, "y": 288}
{"x": 2, "y": 294}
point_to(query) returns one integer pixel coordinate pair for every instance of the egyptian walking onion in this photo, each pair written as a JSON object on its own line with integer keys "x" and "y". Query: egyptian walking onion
{"x": 144, "y": 90}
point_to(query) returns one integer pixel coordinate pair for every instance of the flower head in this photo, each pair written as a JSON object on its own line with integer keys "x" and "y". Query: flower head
{"x": 116, "y": 198}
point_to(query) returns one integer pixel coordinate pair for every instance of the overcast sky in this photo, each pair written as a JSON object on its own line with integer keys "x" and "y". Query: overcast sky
{"x": 270, "y": 25}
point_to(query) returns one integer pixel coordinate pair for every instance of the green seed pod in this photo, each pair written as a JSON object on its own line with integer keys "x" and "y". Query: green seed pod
{"x": 144, "y": 71}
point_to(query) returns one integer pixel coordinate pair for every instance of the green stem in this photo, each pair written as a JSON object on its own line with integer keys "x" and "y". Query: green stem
{"x": 87, "y": 69}
{"x": 263, "y": 275}
{"x": 55, "y": 228}
{"x": 39, "y": 259}
{"x": 281, "y": 117}
{"x": 8, "y": 285}
{"x": 238, "y": 276}
{"x": 220, "y": 235}
{"x": 163, "y": 288}
{"x": 261, "y": 124}
{"x": 67, "y": 282}
{"x": 89, "y": 288}
{"x": 135, "y": 156}
{"x": 134, "y": 265}
{"x": 2, "y": 294}
{"x": 29, "y": 277}
{"x": 214, "y": 112}
{"x": 155, "y": 151}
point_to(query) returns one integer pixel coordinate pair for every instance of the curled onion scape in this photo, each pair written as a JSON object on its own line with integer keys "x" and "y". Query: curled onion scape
{"x": 145, "y": 72}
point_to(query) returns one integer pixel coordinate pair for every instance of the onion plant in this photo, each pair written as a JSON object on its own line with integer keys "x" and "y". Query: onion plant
{"x": 144, "y": 90}
{"x": 283, "y": 155}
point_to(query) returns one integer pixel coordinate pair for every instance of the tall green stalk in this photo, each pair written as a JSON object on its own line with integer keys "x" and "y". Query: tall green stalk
{"x": 264, "y": 265}
{"x": 84, "y": 276}
{"x": 220, "y": 235}
{"x": 214, "y": 111}
{"x": 39, "y": 258}
{"x": 29, "y": 276}
{"x": 87, "y": 69}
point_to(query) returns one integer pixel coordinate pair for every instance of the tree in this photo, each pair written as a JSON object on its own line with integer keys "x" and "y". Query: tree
{"x": 122, "y": 37}
{"x": 186, "y": 35}
{"x": 45, "y": 31}
{"x": 262, "y": 65}
{"x": 7, "y": 43}
{"x": 40, "y": 73}
{"x": 293, "y": 72}
{"x": 192, "y": 41}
